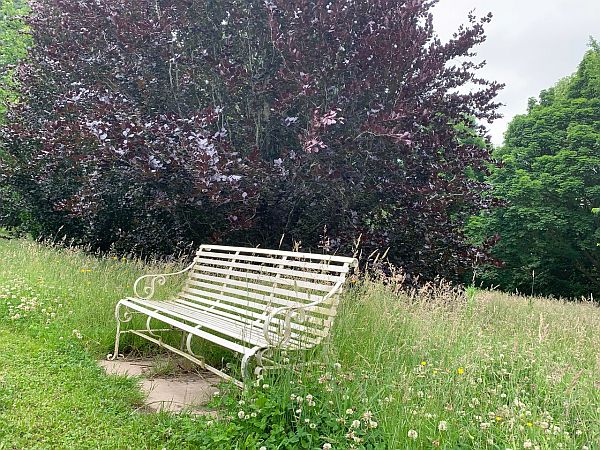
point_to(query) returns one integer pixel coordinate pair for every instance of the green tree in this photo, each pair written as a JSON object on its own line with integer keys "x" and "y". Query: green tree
{"x": 14, "y": 40}
{"x": 548, "y": 181}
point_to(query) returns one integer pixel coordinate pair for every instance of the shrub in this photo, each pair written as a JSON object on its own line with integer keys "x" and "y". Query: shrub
{"x": 148, "y": 123}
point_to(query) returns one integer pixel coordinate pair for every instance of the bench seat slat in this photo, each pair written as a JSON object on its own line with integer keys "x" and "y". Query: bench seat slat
{"x": 298, "y": 334}
{"x": 247, "y": 316}
{"x": 241, "y": 305}
{"x": 276, "y": 262}
{"x": 243, "y": 332}
{"x": 271, "y": 269}
{"x": 134, "y": 305}
{"x": 222, "y": 325}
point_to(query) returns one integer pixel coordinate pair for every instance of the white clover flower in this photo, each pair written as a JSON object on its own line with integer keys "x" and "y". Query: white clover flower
{"x": 413, "y": 434}
{"x": 241, "y": 414}
{"x": 443, "y": 425}
{"x": 327, "y": 446}
{"x": 337, "y": 366}
{"x": 373, "y": 424}
{"x": 263, "y": 448}
{"x": 241, "y": 402}
{"x": 349, "y": 411}
{"x": 484, "y": 425}
{"x": 309, "y": 397}
{"x": 527, "y": 444}
{"x": 266, "y": 386}
{"x": 313, "y": 425}
{"x": 355, "y": 424}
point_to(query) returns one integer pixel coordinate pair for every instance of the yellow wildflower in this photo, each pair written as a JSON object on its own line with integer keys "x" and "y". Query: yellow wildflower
{"x": 460, "y": 371}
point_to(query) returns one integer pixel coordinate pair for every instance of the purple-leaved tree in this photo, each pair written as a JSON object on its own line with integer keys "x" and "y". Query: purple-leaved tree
{"x": 148, "y": 123}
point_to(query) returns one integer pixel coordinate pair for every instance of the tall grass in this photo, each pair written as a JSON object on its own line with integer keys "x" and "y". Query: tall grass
{"x": 421, "y": 370}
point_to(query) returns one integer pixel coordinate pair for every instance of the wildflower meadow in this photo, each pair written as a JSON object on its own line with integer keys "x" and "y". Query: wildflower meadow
{"x": 435, "y": 367}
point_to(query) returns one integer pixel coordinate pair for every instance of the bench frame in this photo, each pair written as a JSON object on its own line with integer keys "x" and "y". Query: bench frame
{"x": 279, "y": 325}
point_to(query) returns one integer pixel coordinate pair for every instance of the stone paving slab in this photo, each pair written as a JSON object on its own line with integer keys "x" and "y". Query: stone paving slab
{"x": 180, "y": 392}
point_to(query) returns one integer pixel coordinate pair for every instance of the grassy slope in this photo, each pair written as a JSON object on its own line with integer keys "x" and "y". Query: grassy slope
{"x": 499, "y": 371}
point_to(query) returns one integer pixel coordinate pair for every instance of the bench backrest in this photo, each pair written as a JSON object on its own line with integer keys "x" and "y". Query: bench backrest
{"x": 246, "y": 284}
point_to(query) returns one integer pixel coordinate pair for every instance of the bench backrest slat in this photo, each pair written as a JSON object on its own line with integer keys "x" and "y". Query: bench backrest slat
{"x": 267, "y": 279}
{"x": 273, "y": 270}
{"x": 250, "y": 300}
{"x": 299, "y": 264}
{"x": 245, "y": 284}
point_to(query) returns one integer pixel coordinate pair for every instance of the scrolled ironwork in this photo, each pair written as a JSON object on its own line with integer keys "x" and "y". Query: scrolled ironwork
{"x": 150, "y": 282}
{"x": 297, "y": 313}
{"x": 126, "y": 317}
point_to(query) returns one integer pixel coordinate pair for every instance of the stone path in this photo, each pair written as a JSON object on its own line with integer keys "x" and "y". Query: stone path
{"x": 180, "y": 392}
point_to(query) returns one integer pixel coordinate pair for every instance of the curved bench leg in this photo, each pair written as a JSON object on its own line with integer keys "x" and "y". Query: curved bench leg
{"x": 246, "y": 359}
{"x": 120, "y": 319}
{"x": 188, "y": 342}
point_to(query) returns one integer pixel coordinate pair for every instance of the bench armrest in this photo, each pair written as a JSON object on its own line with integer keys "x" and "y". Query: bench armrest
{"x": 290, "y": 312}
{"x": 150, "y": 282}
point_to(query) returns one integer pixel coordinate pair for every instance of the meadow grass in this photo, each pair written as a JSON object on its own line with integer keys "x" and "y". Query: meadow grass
{"x": 433, "y": 369}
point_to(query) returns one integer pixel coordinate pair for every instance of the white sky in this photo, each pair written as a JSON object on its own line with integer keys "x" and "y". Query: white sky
{"x": 530, "y": 45}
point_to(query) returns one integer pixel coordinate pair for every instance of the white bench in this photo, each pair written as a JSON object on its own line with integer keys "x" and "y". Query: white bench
{"x": 248, "y": 300}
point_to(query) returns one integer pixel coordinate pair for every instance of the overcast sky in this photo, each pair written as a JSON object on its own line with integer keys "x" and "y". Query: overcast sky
{"x": 530, "y": 45}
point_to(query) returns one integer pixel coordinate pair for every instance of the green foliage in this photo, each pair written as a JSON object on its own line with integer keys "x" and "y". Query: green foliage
{"x": 14, "y": 41}
{"x": 304, "y": 410}
{"x": 549, "y": 181}
{"x": 492, "y": 371}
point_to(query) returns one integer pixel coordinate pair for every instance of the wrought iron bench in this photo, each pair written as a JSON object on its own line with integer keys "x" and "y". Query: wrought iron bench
{"x": 248, "y": 300}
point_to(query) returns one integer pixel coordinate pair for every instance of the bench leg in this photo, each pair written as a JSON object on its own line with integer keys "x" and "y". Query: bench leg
{"x": 246, "y": 360}
{"x": 126, "y": 317}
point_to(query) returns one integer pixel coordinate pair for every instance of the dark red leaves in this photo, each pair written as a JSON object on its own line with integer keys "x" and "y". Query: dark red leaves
{"x": 144, "y": 124}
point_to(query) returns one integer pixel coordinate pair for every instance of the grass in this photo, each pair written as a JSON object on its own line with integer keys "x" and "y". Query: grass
{"x": 429, "y": 370}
